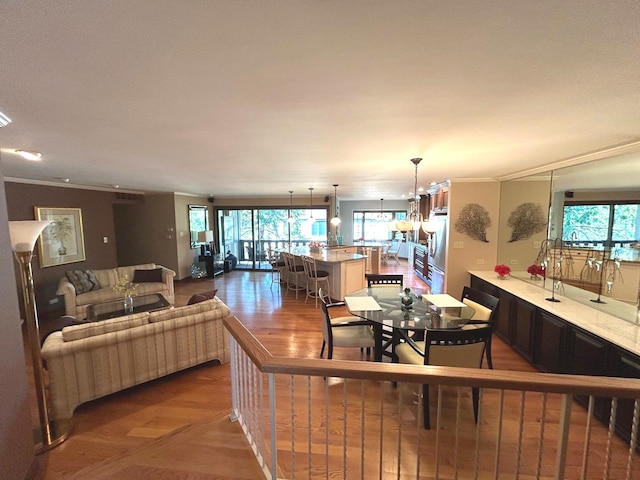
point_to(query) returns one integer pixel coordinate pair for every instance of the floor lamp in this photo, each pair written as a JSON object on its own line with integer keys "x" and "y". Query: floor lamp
{"x": 23, "y": 238}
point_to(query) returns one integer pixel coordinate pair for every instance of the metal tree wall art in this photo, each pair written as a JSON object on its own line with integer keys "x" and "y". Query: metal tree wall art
{"x": 474, "y": 220}
{"x": 525, "y": 220}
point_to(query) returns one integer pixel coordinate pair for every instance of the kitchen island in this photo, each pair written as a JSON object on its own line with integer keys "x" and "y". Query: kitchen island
{"x": 346, "y": 270}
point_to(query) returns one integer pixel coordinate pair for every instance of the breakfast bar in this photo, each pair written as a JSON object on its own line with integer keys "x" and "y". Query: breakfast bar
{"x": 346, "y": 270}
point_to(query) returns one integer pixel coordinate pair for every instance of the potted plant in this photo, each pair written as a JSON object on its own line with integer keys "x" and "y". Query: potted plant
{"x": 60, "y": 231}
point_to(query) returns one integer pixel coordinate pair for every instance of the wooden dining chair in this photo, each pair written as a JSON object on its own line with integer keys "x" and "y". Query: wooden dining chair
{"x": 379, "y": 279}
{"x": 343, "y": 331}
{"x": 386, "y": 280}
{"x": 451, "y": 348}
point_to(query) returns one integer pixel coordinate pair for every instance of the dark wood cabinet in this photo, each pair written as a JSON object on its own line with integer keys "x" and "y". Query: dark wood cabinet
{"x": 556, "y": 345}
{"x": 439, "y": 199}
{"x": 550, "y": 343}
{"x": 624, "y": 364}
{"x": 214, "y": 264}
{"x": 421, "y": 264}
{"x": 523, "y": 328}
{"x": 588, "y": 354}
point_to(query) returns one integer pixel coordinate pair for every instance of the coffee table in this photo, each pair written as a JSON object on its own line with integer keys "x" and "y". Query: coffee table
{"x": 115, "y": 308}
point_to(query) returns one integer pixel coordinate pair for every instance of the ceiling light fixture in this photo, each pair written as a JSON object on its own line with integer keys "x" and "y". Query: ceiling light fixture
{"x": 335, "y": 221}
{"x": 4, "y": 120}
{"x": 414, "y": 220}
{"x": 311, "y": 219}
{"x": 30, "y": 155}
{"x": 381, "y": 214}
{"x": 291, "y": 220}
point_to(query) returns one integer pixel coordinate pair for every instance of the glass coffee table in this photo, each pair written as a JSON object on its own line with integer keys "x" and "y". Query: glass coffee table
{"x": 115, "y": 308}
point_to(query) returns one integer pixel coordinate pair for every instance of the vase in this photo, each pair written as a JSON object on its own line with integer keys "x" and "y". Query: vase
{"x": 128, "y": 303}
{"x": 502, "y": 277}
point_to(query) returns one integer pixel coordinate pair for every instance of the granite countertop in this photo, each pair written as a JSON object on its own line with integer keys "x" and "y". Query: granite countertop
{"x": 329, "y": 256}
{"x": 620, "y": 327}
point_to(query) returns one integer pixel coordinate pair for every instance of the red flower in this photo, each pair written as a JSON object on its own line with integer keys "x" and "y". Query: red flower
{"x": 502, "y": 270}
{"x": 535, "y": 270}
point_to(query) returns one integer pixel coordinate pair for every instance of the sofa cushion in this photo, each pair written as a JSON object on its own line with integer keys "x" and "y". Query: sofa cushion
{"x": 201, "y": 297}
{"x": 147, "y": 275}
{"x": 83, "y": 281}
{"x": 91, "y": 329}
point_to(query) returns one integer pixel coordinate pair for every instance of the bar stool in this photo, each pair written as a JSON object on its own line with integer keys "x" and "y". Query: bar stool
{"x": 315, "y": 278}
{"x": 277, "y": 267}
{"x": 293, "y": 272}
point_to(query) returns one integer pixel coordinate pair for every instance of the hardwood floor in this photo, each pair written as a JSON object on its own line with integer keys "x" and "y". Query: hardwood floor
{"x": 177, "y": 426}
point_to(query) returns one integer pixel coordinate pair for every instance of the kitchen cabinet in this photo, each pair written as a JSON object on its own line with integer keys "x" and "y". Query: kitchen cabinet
{"x": 627, "y": 365}
{"x": 439, "y": 199}
{"x": 550, "y": 343}
{"x": 523, "y": 328}
{"x": 557, "y": 345}
{"x": 420, "y": 263}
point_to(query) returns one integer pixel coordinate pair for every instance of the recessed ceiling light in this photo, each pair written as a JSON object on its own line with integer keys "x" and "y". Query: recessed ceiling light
{"x": 4, "y": 120}
{"x": 116, "y": 186}
{"x": 65, "y": 180}
{"x": 30, "y": 155}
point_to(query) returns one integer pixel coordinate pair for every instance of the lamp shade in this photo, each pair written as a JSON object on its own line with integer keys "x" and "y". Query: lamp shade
{"x": 205, "y": 236}
{"x": 24, "y": 233}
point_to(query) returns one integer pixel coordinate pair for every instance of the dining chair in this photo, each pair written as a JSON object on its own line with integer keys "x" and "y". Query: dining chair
{"x": 451, "y": 348}
{"x": 344, "y": 331}
{"x": 294, "y": 272}
{"x": 393, "y": 251}
{"x": 384, "y": 279}
{"x": 315, "y": 278}
{"x": 485, "y": 310}
{"x": 384, "y": 254}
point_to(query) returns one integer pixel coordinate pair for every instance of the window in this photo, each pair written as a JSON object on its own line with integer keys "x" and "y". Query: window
{"x": 601, "y": 224}
{"x": 369, "y": 225}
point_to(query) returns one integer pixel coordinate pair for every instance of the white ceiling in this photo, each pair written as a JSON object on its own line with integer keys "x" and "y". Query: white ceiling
{"x": 238, "y": 98}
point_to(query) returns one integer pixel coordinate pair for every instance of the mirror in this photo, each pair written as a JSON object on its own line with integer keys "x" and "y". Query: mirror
{"x": 594, "y": 218}
{"x": 198, "y": 222}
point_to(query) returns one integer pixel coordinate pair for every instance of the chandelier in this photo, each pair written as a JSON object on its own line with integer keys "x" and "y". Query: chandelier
{"x": 335, "y": 221}
{"x": 414, "y": 219}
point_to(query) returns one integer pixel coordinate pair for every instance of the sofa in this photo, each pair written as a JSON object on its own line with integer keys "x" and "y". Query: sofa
{"x": 89, "y": 360}
{"x": 83, "y": 288}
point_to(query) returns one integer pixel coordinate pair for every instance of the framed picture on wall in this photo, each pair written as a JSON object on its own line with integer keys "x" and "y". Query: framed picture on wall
{"x": 63, "y": 240}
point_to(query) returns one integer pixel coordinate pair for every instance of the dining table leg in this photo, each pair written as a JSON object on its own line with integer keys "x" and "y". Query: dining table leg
{"x": 377, "y": 336}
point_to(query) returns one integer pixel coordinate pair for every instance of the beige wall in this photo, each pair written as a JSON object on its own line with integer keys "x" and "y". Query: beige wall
{"x": 521, "y": 253}
{"x": 461, "y": 260}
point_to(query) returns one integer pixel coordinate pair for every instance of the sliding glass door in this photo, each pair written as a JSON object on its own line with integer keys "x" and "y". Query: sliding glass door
{"x": 248, "y": 234}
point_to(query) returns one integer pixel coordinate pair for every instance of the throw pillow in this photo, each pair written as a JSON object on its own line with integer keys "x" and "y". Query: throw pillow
{"x": 201, "y": 297}
{"x": 82, "y": 281}
{"x": 147, "y": 276}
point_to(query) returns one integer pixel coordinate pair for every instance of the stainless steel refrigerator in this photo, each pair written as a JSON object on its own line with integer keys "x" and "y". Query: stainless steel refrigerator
{"x": 438, "y": 252}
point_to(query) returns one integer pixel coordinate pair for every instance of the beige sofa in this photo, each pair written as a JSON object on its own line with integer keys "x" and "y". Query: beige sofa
{"x": 93, "y": 359}
{"x": 76, "y": 304}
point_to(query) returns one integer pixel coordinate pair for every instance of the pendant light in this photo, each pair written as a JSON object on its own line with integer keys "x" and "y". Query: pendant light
{"x": 311, "y": 219}
{"x": 414, "y": 220}
{"x": 381, "y": 214}
{"x": 291, "y": 220}
{"x": 335, "y": 221}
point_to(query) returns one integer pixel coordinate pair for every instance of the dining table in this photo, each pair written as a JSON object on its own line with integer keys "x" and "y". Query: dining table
{"x": 405, "y": 311}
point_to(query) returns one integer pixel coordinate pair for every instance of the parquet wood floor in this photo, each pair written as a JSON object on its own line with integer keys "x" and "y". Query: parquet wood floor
{"x": 177, "y": 426}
